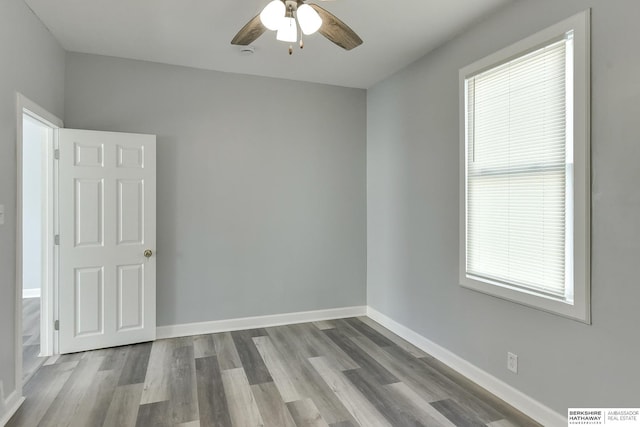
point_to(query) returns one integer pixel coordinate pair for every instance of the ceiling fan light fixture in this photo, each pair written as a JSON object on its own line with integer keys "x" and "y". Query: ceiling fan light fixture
{"x": 296, "y": 14}
{"x": 309, "y": 20}
{"x": 273, "y": 14}
{"x": 288, "y": 31}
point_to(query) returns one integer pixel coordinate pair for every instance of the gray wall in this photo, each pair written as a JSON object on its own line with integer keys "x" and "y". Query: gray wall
{"x": 34, "y": 137}
{"x": 33, "y": 64}
{"x": 261, "y": 184}
{"x": 412, "y": 176}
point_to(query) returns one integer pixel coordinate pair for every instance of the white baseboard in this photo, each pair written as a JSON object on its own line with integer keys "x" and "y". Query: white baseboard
{"x": 531, "y": 407}
{"x": 31, "y": 293}
{"x": 9, "y": 407}
{"x": 227, "y": 325}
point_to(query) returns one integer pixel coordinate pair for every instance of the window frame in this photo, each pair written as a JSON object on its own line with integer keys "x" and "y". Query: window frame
{"x": 580, "y": 309}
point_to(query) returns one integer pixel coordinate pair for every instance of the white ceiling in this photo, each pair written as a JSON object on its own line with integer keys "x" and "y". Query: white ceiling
{"x": 197, "y": 33}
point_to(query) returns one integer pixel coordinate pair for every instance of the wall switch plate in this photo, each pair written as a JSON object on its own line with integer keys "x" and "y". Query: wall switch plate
{"x": 1, "y": 214}
{"x": 512, "y": 362}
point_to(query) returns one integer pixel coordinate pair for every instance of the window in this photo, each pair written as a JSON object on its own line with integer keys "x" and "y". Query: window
{"x": 525, "y": 171}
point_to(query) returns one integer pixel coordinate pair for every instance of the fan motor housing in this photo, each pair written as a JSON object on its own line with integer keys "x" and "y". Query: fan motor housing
{"x": 292, "y": 4}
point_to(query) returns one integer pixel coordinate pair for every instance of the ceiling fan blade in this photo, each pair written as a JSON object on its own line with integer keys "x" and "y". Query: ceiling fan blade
{"x": 250, "y": 32}
{"x": 336, "y": 30}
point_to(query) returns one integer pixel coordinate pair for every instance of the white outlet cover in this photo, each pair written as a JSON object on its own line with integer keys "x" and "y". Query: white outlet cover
{"x": 512, "y": 362}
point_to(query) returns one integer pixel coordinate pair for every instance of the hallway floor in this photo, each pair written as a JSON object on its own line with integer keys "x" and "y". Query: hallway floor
{"x": 30, "y": 337}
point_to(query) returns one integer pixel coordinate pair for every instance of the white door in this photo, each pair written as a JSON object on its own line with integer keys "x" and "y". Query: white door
{"x": 107, "y": 215}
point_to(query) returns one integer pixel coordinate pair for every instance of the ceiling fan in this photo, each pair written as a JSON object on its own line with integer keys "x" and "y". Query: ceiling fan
{"x": 285, "y": 16}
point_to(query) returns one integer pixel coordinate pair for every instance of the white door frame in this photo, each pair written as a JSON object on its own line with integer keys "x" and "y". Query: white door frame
{"x": 48, "y": 300}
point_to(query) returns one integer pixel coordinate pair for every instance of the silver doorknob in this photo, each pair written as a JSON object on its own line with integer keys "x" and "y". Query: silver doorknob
{"x": 148, "y": 253}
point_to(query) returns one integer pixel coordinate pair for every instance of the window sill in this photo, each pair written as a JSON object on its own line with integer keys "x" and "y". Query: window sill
{"x": 575, "y": 310}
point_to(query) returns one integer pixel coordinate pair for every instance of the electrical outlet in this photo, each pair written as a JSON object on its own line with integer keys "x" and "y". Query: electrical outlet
{"x": 512, "y": 362}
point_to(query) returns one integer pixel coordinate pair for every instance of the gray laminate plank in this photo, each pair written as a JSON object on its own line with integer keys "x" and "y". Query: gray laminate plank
{"x": 400, "y": 342}
{"x": 183, "y": 384}
{"x": 485, "y": 411}
{"x": 459, "y": 415}
{"x": 417, "y": 404}
{"x": 359, "y": 407}
{"x": 226, "y": 351}
{"x": 67, "y": 403}
{"x": 287, "y": 344}
{"x": 252, "y": 362}
{"x": 135, "y": 368}
{"x": 502, "y": 423}
{"x": 240, "y": 400}
{"x": 41, "y": 389}
{"x": 404, "y": 373}
{"x": 366, "y": 330}
{"x": 298, "y": 336}
{"x": 258, "y": 332}
{"x": 306, "y": 379}
{"x": 31, "y": 305}
{"x": 364, "y": 360}
{"x": 100, "y": 352}
{"x": 331, "y": 408}
{"x": 305, "y": 414}
{"x": 203, "y": 346}
{"x": 123, "y": 409}
{"x": 344, "y": 424}
{"x": 486, "y": 399}
{"x": 157, "y": 414}
{"x": 70, "y": 357}
{"x": 323, "y": 345}
{"x": 212, "y": 402}
{"x": 392, "y": 409}
{"x": 30, "y": 360}
{"x": 51, "y": 360}
{"x": 115, "y": 358}
{"x": 33, "y": 339}
{"x": 324, "y": 324}
{"x": 31, "y": 320}
{"x": 272, "y": 408}
{"x": 96, "y": 401}
{"x": 156, "y": 382}
{"x": 277, "y": 367}
{"x": 346, "y": 329}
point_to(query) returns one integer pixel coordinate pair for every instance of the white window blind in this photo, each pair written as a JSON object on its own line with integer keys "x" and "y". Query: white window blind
{"x": 518, "y": 172}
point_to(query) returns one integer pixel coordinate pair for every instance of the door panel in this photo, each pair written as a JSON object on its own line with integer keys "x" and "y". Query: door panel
{"x": 107, "y": 196}
{"x": 130, "y": 296}
{"x": 88, "y": 212}
{"x": 131, "y": 156}
{"x": 88, "y": 153}
{"x": 130, "y": 222}
{"x": 89, "y": 301}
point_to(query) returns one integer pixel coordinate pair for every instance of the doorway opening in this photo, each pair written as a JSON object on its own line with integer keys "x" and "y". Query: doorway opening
{"x": 36, "y": 255}
{"x": 36, "y": 138}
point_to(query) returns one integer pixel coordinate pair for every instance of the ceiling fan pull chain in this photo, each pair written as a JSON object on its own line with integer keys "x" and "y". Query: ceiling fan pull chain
{"x": 300, "y": 32}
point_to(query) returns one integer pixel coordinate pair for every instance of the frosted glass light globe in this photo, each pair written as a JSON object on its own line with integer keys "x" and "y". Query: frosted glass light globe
{"x": 273, "y": 14}
{"x": 288, "y": 31}
{"x": 308, "y": 19}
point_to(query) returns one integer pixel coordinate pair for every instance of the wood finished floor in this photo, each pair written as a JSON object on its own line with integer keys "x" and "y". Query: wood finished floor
{"x": 340, "y": 373}
{"x": 30, "y": 337}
